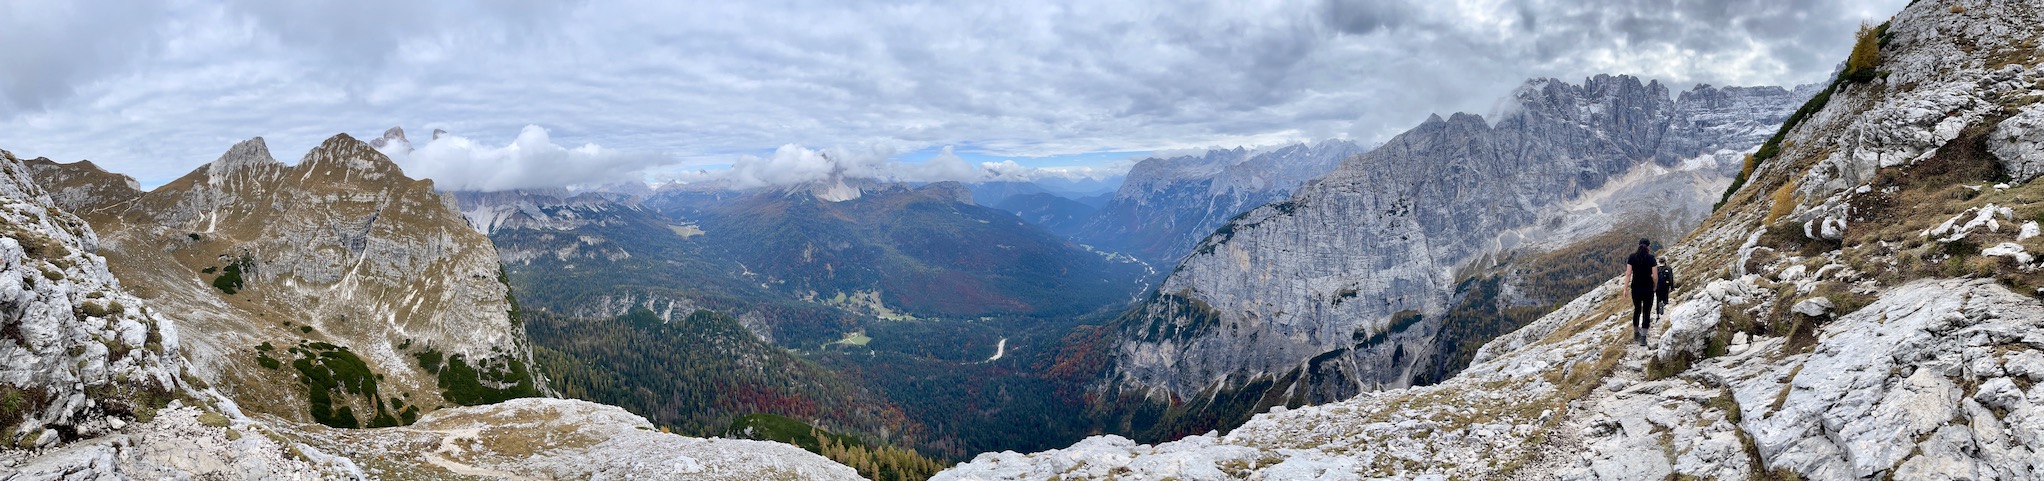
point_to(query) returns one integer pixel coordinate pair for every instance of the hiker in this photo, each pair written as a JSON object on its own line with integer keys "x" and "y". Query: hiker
{"x": 1640, "y": 278}
{"x": 1664, "y": 284}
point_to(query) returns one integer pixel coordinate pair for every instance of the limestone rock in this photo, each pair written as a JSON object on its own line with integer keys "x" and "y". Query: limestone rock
{"x": 2018, "y": 143}
{"x": 1813, "y": 307}
{"x": 1167, "y": 204}
{"x": 1280, "y": 291}
{"x": 339, "y": 248}
{"x": 66, "y": 325}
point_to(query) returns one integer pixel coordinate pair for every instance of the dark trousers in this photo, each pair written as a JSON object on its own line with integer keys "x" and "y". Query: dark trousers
{"x": 1642, "y": 309}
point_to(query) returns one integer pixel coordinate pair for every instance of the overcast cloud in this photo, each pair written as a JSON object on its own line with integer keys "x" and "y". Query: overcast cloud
{"x": 155, "y": 89}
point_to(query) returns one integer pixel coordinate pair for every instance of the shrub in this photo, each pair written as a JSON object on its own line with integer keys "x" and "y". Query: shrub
{"x": 330, "y": 374}
{"x": 469, "y": 386}
{"x": 1784, "y": 202}
{"x": 1866, "y": 54}
{"x": 229, "y": 280}
{"x": 429, "y": 360}
{"x": 17, "y": 403}
{"x": 213, "y": 419}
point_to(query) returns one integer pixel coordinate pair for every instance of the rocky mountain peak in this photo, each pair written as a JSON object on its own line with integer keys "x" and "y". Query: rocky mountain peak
{"x": 395, "y": 137}
{"x": 244, "y": 155}
{"x": 81, "y": 184}
{"x": 1351, "y": 305}
{"x": 358, "y": 257}
{"x": 352, "y": 157}
{"x": 1166, "y": 204}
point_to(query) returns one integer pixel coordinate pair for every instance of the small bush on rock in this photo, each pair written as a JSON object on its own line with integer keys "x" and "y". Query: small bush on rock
{"x": 1866, "y": 54}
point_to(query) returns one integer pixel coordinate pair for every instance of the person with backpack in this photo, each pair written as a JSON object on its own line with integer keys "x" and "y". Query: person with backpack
{"x": 1641, "y": 278}
{"x": 1664, "y": 284}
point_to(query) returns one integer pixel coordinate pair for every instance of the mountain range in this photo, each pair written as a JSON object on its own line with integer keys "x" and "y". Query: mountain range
{"x": 1347, "y": 285}
{"x": 1863, "y": 305}
{"x": 127, "y": 359}
{"x": 1858, "y": 297}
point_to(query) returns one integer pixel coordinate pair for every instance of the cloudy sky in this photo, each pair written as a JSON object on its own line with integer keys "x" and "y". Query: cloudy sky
{"x": 543, "y": 93}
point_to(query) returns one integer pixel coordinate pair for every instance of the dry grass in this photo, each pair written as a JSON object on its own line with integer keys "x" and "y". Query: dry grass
{"x": 1784, "y": 202}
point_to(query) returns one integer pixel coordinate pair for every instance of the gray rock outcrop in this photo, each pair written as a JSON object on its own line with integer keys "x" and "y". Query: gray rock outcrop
{"x": 1166, "y": 204}
{"x": 78, "y": 354}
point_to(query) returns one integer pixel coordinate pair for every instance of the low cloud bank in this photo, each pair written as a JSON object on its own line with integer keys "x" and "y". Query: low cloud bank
{"x": 531, "y": 161}
{"x": 793, "y": 164}
{"x": 534, "y": 161}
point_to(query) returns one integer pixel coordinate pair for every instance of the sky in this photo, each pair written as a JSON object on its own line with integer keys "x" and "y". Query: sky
{"x": 544, "y": 94}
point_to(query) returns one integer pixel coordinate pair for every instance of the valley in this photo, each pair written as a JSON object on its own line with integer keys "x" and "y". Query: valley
{"x": 906, "y": 318}
{"x": 1250, "y": 286}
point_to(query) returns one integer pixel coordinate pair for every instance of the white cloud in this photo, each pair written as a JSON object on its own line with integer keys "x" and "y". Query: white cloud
{"x": 795, "y": 165}
{"x": 1011, "y": 171}
{"x": 159, "y": 89}
{"x": 532, "y": 160}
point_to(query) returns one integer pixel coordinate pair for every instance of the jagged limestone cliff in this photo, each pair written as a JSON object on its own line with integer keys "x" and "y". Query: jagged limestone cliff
{"x": 1865, "y": 306}
{"x": 1341, "y": 288}
{"x": 1167, "y": 204}
{"x": 333, "y": 269}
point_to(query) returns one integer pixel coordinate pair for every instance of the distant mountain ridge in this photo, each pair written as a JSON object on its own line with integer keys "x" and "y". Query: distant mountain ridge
{"x": 1166, "y": 204}
{"x": 1341, "y": 288}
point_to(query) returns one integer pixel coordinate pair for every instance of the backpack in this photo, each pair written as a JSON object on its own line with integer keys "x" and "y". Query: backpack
{"x": 1667, "y": 275}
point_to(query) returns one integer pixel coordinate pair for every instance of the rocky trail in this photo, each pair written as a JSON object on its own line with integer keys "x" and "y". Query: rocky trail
{"x": 1565, "y": 446}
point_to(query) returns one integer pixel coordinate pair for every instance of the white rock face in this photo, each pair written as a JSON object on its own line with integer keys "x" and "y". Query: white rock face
{"x": 568, "y": 439}
{"x": 1167, "y": 204}
{"x": 2019, "y": 143}
{"x": 1884, "y": 389}
{"x": 1689, "y": 324}
{"x": 1897, "y": 366}
{"x": 1938, "y": 83}
{"x": 1327, "y": 283}
{"x": 176, "y": 445}
{"x": 66, "y": 326}
{"x": 530, "y": 438}
{"x": 1813, "y": 307}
